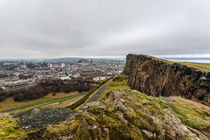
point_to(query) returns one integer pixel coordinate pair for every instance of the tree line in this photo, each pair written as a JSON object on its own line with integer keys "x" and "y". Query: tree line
{"x": 44, "y": 87}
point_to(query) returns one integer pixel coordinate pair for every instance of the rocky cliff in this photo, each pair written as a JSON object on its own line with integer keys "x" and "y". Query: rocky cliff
{"x": 123, "y": 114}
{"x": 157, "y": 77}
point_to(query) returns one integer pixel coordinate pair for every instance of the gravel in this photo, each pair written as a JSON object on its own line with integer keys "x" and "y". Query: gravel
{"x": 38, "y": 118}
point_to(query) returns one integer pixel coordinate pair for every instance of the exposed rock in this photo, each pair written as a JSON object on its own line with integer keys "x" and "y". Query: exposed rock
{"x": 157, "y": 77}
{"x": 38, "y": 118}
{"x": 126, "y": 115}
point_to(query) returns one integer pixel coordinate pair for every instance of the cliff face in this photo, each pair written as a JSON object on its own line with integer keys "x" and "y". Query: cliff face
{"x": 121, "y": 114}
{"x": 157, "y": 77}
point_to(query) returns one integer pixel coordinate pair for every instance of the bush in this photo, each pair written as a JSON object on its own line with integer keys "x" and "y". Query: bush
{"x": 45, "y": 87}
{"x": 18, "y": 97}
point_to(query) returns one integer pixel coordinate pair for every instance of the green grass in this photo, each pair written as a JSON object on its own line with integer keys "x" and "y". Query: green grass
{"x": 191, "y": 113}
{"x": 90, "y": 97}
{"x": 118, "y": 83}
{"x": 9, "y": 129}
{"x": 135, "y": 113}
{"x": 100, "y": 81}
{"x": 57, "y": 101}
{"x": 87, "y": 99}
{"x": 9, "y": 103}
{"x": 202, "y": 67}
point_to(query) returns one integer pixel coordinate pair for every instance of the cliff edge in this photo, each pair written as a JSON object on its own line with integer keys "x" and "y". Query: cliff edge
{"x": 122, "y": 113}
{"x": 157, "y": 77}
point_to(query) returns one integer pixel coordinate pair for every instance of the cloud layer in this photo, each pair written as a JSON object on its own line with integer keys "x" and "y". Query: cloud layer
{"x": 52, "y": 28}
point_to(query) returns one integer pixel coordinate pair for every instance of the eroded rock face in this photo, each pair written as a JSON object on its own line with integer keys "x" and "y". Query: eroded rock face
{"x": 159, "y": 78}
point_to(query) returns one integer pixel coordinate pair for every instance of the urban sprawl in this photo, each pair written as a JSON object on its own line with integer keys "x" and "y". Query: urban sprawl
{"x": 20, "y": 74}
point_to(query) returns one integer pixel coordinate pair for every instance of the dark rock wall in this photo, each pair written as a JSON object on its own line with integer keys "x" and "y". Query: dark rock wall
{"x": 158, "y": 78}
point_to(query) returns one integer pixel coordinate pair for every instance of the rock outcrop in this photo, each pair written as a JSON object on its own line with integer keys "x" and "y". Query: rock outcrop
{"x": 157, "y": 77}
{"x": 129, "y": 115}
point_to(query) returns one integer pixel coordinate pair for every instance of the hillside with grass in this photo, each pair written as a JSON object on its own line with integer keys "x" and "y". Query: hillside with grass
{"x": 120, "y": 113}
{"x": 152, "y": 99}
{"x": 123, "y": 113}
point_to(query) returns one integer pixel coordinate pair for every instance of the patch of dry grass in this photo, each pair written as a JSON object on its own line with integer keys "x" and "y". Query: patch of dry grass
{"x": 9, "y": 103}
{"x": 194, "y": 114}
{"x": 9, "y": 128}
{"x": 70, "y": 101}
{"x": 200, "y": 66}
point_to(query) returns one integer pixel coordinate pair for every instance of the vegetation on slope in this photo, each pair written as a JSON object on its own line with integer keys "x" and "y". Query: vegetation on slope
{"x": 202, "y": 67}
{"x": 118, "y": 83}
{"x": 77, "y": 105}
{"x": 124, "y": 114}
{"x": 191, "y": 113}
{"x": 129, "y": 114}
{"x": 9, "y": 128}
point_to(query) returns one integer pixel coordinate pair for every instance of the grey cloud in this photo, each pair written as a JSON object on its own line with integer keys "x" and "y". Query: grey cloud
{"x": 52, "y": 28}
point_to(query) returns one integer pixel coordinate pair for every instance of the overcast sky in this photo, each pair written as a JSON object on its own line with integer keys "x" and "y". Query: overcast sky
{"x": 105, "y": 28}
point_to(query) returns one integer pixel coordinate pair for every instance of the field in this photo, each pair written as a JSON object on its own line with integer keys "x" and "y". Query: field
{"x": 9, "y": 103}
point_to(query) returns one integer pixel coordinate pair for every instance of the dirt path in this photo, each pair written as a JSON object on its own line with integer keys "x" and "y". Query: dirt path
{"x": 95, "y": 96}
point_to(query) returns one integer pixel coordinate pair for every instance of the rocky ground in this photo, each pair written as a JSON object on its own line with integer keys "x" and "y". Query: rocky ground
{"x": 39, "y": 118}
{"x": 129, "y": 114}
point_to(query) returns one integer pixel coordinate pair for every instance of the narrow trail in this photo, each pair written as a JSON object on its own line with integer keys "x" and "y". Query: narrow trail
{"x": 95, "y": 96}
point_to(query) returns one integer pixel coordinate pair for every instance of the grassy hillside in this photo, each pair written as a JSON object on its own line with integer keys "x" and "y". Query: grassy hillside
{"x": 122, "y": 113}
{"x": 129, "y": 114}
{"x": 191, "y": 113}
{"x": 9, "y": 128}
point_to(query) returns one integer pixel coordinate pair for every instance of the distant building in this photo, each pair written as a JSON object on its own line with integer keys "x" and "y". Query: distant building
{"x": 91, "y": 62}
{"x": 65, "y": 78}
{"x": 75, "y": 75}
{"x": 63, "y": 65}
{"x": 99, "y": 78}
{"x": 51, "y": 66}
{"x": 23, "y": 66}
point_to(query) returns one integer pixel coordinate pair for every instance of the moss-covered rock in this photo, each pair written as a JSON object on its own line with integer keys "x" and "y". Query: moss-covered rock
{"x": 126, "y": 114}
{"x": 9, "y": 128}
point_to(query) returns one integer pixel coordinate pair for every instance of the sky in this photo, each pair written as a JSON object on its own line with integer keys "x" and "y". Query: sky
{"x": 104, "y": 28}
